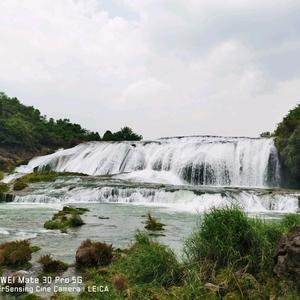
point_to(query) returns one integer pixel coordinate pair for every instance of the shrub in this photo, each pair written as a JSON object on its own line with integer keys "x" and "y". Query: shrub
{"x": 224, "y": 236}
{"x": 265, "y": 240}
{"x": 15, "y": 254}
{"x": 153, "y": 224}
{"x": 91, "y": 254}
{"x": 149, "y": 262}
{"x": 1, "y": 175}
{"x": 65, "y": 218}
{"x": 52, "y": 266}
{"x": 290, "y": 220}
{"x": 4, "y": 187}
{"x": 19, "y": 185}
{"x": 54, "y": 224}
{"x": 287, "y": 139}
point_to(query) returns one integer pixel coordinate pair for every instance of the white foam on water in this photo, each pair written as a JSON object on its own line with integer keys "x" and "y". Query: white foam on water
{"x": 179, "y": 200}
{"x": 4, "y": 231}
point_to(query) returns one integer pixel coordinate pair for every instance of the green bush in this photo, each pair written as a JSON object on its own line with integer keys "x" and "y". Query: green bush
{"x": 224, "y": 236}
{"x": 66, "y": 218}
{"x": 19, "y": 185}
{"x": 227, "y": 237}
{"x": 290, "y": 220}
{"x": 150, "y": 262}
{"x": 4, "y": 188}
{"x": 54, "y": 225}
{"x": 287, "y": 139}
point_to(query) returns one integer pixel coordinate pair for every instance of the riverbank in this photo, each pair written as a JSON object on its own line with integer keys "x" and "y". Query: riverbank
{"x": 227, "y": 256}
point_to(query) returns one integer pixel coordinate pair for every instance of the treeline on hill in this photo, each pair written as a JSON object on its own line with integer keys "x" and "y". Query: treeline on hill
{"x": 287, "y": 140}
{"x": 25, "y": 126}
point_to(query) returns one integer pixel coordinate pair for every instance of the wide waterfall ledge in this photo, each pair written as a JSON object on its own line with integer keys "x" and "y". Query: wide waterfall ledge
{"x": 199, "y": 161}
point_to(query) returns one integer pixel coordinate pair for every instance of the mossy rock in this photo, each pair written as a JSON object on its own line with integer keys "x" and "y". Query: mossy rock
{"x": 68, "y": 217}
{"x": 19, "y": 185}
{"x": 4, "y": 188}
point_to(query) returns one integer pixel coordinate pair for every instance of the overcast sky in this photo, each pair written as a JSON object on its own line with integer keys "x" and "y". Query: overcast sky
{"x": 163, "y": 67}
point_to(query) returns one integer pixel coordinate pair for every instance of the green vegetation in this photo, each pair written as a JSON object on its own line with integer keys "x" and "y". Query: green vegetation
{"x": 62, "y": 296}
{"x": 26, "y": 133}
{"x": 93, "y": 254}
{"x": 153, "y": 224}
{"x": 68, "y": 217}
{"x": 15, "y": 254}
{"x": 41, "y": 176}
{"x": 287, "y": 139}
{"x": 148, "y": 261}
{"x": 229, "y": 256}
{"x": 19, "y": 185}
{"x": 125, "y": 134}
{"x": 4, "y": 188}
{"x": 35, "y": 248}
{"x": 25, "y": 126}
{"x": 51, "y": 266}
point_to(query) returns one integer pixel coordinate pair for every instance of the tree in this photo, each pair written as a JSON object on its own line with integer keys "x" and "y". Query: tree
{"x": 126, "y": 134}
{"x": 287, "y": 139}
{"x": 108, "y": 136}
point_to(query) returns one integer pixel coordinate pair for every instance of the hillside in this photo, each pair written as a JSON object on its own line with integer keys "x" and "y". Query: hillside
{"x": 25, "y": 133}
{"x": 287, "y": 139}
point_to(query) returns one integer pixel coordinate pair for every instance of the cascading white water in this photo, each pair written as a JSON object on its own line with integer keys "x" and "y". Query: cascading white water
{"x": 200, "y": 160}
{"x": 178, "y": 200}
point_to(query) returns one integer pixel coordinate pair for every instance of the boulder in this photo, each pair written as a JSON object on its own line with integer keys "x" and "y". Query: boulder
{"x": 287, "y": 254}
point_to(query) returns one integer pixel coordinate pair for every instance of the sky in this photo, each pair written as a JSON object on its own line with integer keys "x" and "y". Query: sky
{"x": 162, "y": 67}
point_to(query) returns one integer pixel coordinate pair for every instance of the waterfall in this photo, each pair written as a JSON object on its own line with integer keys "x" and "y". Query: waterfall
{"x": 256, "y": 201}
{"x": 198, "y": 160}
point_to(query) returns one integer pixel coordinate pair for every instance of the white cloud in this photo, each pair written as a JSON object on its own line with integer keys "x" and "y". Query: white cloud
{"x": 166, "y": 67}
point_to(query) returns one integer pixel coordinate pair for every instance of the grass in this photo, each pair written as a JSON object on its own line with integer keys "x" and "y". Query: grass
{"x": 148, "y": 261}
{"x": 4, "y": 188}
{"x": 229, "y": 256}
{"x": 19, "y": 185}
{"x": 68, "y": 217}
{"x": 41, "y": 176}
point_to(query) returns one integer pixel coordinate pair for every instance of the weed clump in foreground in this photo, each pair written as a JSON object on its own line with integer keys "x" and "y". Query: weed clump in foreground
{"x": 233, "y": 256}
{"x": 224, "y": 236}
{"x": 153, "y": 224}
{"x": 93, "y": 254}
{"x": 150, "y": 262}
{"x": 66, "y": 218}
{"x": 51, "y": 266}
{"x": 15, "y": 254}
